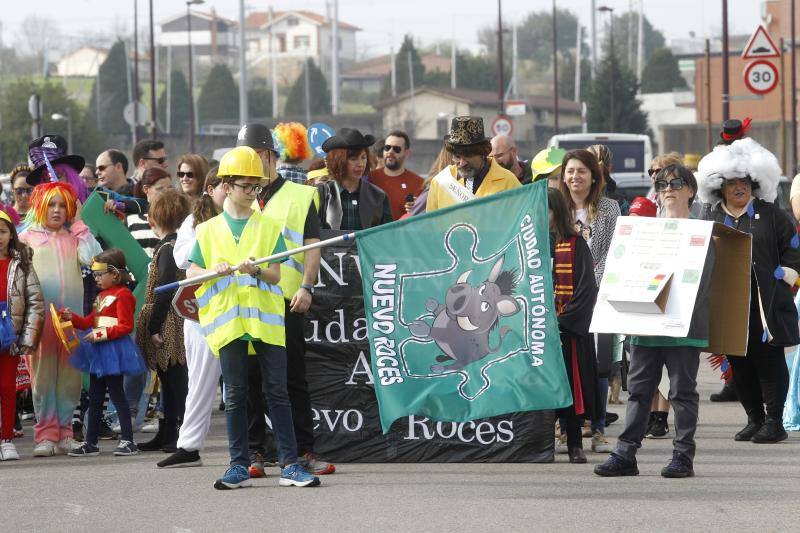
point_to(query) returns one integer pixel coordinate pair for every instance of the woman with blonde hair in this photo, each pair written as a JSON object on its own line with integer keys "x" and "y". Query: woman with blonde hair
{"x": 443, "y": 159}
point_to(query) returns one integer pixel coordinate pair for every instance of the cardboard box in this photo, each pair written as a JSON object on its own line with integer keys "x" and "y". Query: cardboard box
{"x": 673, "y": 252}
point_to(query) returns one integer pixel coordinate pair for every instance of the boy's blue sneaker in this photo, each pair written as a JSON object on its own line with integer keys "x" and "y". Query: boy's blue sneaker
{"x": 126, "y": 447}
{"x": 236, "y": 477}
{"x": 295, "y": 475}
{"x": 84, "y": 449}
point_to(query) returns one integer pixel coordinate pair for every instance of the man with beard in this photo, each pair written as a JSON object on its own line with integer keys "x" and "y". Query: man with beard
{"x": 400, "y": 184}
{"x": 473, "y": 172}
{"x": 504, "y": 151}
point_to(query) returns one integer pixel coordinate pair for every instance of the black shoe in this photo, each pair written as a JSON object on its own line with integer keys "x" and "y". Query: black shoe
{"x": 105, "y": 432}
{"x": 157, "y": 441}
{"x": 222, "y": 405}
{"x": 617, "y": 466}
{"x": 680, "y": 466}
{"x": 180, "y": 459}
{"x": 771, "y": 431}
{"x": 749, "y": 430}
{"x": 659, "y": 429}
{"x": 576, "y": 456}
{"x": 650, "y": 424}
{"x": 727, "y": 394}
{"x": 611, "y": 418}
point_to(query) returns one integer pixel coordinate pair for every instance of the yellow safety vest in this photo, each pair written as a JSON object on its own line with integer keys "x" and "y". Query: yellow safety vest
{"x": 231, "y": 307}
{"x": 289, "y": 208}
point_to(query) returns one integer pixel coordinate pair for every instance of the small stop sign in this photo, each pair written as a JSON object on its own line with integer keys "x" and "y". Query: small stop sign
{"x": 185, "y": 303}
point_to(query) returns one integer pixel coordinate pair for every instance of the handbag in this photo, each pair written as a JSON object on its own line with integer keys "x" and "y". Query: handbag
{"x": 8, "y": 335}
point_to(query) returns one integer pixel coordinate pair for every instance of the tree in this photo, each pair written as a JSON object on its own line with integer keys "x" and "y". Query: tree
{"x": 535, "y": 36}
{"x": 319, "y": 96}
{"x": 16, "y": 130}
{"x": 628, "y": 116}
{"x": 111, "y": 86}
{"x": 401, "y": 65}
{"x": 566, "y": 77}
{"x": 629, "y": 23}
{"x": 661, "y": 74}
{"x": 179, "y": 103}
{"x": 219, "y": 96}
{"x": 36, "y": 36}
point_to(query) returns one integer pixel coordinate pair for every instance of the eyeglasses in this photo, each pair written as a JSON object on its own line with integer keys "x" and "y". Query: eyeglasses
{"x": 97, "y": 274}
{"x": 101, "y": 168}
{"x": 249, "y": 188}
{"x": 392, "y": 148}
{"x": 159, "y": 160}
{"x": 189, "y": 175}
{"x": 675, "y": 184}
{"x": 22, "y": 191}
{"x": 653, "y": 171}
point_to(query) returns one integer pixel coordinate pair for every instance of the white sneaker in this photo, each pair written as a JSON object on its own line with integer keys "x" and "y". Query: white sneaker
{"x": 561, "y": 444}
{"x": 151, "y": 427}
{"x": 64, "y": 446}
{"x": 8, "y": 452}
{"x": 600, "y": 444}
{"x": 46, "y": 448}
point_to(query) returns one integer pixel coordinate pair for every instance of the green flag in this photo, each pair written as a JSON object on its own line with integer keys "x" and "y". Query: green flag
{"x": 460, "y": 313}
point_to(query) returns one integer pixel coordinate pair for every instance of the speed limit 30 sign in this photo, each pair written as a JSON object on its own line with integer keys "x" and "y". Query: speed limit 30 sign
{"x": 761, "y": 76}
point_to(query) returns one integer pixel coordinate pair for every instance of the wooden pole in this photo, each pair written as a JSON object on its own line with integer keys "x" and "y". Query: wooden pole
{"x": 783, "y": 111}
{"x": 726, "y": 104}
{"x": 709, "y": 135}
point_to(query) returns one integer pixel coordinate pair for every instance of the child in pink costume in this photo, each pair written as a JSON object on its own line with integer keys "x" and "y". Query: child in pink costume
{"x": 61, "y": 244}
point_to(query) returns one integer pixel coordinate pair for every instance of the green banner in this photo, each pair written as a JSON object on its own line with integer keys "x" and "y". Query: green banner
{"x": 460, "y": 313}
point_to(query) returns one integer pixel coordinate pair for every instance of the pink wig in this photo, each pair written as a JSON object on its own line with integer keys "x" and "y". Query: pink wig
{"x": 67, "y": 174}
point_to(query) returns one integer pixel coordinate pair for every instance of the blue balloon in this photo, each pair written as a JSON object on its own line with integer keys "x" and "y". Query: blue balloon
{"x": 318, "y": 133}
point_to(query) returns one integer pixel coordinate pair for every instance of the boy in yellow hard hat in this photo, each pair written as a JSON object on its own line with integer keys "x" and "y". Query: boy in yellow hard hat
{"x": 244, "y": 309}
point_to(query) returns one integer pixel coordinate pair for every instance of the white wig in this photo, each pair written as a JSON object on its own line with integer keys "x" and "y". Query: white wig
{"x": 742, "y": 158}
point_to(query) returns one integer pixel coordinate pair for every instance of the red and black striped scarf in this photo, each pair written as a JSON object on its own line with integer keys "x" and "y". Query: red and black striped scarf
{"x": 563, "y": 268}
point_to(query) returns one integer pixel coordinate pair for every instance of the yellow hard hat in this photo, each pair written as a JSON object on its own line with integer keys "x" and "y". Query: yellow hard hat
{"x": 241, "y": 161}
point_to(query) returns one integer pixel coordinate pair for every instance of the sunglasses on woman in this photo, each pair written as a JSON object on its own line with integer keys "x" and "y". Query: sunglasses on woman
{"x": 189, "y": 174}
{"x": 653, "y": 171}
{"x": 675, "y": 184}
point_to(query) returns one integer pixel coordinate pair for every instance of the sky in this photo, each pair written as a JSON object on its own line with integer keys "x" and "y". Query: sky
{"x": 384, "y": 23}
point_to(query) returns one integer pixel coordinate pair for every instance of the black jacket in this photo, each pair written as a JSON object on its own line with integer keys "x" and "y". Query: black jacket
{"x": 775, "y": 243}
{"x": 371, "y": 200}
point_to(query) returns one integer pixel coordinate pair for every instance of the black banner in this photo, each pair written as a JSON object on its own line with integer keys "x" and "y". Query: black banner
{"x": 347, "y": 427}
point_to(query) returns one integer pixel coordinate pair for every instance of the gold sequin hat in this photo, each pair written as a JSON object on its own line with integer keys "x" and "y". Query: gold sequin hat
{"x": 465, "y": 131}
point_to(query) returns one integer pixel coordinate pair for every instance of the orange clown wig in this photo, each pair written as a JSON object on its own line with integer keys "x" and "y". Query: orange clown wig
{"x": 291, "y": 142}
{"x": 43, "y": 194}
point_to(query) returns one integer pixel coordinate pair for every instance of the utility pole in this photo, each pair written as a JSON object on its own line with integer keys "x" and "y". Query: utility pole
{"x": 782, "y": 77}
{"x": 273, "y": 67}
{"x": 500, "y": 80}
{"x": 612, "y": 63}
{"x": 394, "y": 71}
{"x": 726, "y": 104}
{"x": 794, "y": 95}
{"x": 555, "y": 73}
{"x": 307, "y": 90}
{"x": 453, "y": 61}
{"x": 640, "y": 44}
{"x": 243, "y": 111}
{"x": 168, "y": 112}
{"x": 709, "y": 137}
{"x": 153, "y": 101}
{"x": 514, "y": 59}
{"x": 135, "y": 94}
{"x": 630, "y": 34}
{"x": 594, "y": 39}
{"x": 578, "y": 47}
{"x": 335, "y": 59}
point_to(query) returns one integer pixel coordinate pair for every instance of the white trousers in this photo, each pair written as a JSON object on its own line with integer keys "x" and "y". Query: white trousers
{"x": 204, "y": 373}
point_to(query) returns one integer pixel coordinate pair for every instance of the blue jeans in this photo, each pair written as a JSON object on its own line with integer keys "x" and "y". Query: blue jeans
{"x": 272, "y": 360}
{"x": 134, "y": 391}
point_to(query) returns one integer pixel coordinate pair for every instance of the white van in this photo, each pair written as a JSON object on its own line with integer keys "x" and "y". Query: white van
{"x": 631, "y": 156}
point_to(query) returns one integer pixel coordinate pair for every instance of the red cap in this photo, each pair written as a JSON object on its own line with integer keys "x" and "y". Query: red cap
{"x": 642, "y": 207}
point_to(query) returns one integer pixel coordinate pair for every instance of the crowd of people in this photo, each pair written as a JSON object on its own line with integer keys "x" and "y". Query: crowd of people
{"x": 262, "y": 198}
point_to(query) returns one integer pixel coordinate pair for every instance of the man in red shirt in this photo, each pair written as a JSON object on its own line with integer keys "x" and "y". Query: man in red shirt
{"x": 400, "y": 184}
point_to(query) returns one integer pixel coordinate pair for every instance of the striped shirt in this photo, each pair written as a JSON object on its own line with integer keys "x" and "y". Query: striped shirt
{"x": 140, "y": 229}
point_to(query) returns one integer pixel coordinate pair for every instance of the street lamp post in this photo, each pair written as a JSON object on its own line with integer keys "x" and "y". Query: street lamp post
{"x": 68, "y": 118}
{"x": 612, "y": 56}
{"x": 191, "y": 73}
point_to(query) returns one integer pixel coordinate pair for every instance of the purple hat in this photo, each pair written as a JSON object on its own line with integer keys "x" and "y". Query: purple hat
{"x": 52, "y": 148}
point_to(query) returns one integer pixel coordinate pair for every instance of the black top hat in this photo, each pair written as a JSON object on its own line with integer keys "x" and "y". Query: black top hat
{"x": 53, "y": 148}
{"x": 349, "y": 138}
{"x": 465, "y": 131}
{"x": 734, "y": 129}
{"x": 257, "y": 137}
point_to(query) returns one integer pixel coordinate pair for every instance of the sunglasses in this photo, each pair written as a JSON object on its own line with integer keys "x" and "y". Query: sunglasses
{"x": 392, "y": 148}
{"x": 249, "y": 188}
{"x": 675, "y": 184}
{"x": 653, "y": 171}
{"x": 22, "y": 191}
{"x": 159, "y": 160}
{"x": 101, "y": 168}
{"x": 189, "y": 175}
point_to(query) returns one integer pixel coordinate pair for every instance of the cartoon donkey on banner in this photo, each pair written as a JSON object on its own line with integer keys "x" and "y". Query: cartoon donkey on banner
{"x": 461, "y": 326}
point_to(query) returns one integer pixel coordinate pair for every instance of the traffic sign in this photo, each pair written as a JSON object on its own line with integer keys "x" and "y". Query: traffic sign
{"x": 502, "y": 125}
{"x": 515, "y": 107}
{"x": 127, "y": 113}
{"x": 185, "y": 303}
{"x": 318, "y": 133}
{"x": 760, "y": 45}
{"x": 760, "y": 76}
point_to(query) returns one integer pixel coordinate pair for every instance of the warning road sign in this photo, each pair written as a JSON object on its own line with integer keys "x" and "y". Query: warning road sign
{"x": 760, "y": 76}
{"x": 760, "y": 45}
